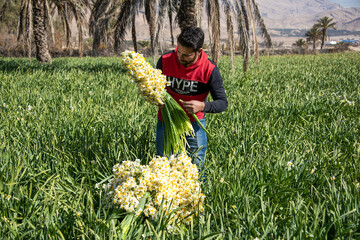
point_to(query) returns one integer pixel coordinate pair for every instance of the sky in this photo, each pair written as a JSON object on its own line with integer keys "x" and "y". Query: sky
{"x": 347, "y": 3}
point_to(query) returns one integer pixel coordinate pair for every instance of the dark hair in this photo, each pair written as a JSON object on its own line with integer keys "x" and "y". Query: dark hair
{"x": 192, "y": 37}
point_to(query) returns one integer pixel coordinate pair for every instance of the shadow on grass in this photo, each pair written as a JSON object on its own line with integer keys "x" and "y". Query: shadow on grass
{"x": 94, "y": 65}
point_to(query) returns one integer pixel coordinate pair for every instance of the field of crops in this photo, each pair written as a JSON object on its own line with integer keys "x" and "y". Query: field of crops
{"x": 283, "y": 161}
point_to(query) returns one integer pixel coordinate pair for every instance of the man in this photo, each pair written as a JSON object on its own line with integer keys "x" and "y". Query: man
{"x": 192, "y": 76}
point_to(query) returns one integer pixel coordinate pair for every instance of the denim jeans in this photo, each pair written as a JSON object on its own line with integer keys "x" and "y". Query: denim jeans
{"x": 197, "y": 144}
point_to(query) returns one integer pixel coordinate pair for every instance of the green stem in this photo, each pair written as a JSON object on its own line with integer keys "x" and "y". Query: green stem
{"x": 127, "y": 222}
{"x": 198, "y": 121}
{"x": 200, "y": 124}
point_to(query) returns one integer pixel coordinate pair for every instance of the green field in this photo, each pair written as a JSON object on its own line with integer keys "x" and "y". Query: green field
{"x": 287, "y": 150}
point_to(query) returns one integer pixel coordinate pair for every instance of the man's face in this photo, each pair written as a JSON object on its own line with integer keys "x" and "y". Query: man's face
{"x": 186, "y": 55}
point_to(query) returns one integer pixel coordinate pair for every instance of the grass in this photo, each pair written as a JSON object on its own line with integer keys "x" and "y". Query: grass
{"x": 63, "y": 126}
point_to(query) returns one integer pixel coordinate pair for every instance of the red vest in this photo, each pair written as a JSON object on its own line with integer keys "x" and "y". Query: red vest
{"x": 187, "y": 83}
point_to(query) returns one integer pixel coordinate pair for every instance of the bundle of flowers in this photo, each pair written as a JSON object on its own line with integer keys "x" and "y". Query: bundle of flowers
{"x": 168, "y": 185}
{"x": 151, "y": 84}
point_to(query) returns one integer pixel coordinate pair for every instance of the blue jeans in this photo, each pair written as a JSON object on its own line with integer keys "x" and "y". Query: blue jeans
{"x": 197, "y": 144}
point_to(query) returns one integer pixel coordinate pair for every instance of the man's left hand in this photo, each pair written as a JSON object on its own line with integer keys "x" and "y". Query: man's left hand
{"x": 193, "y": 106}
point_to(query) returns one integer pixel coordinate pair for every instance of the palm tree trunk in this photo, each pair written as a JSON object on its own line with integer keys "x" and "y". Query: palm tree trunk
{"x": 187, "y": 13}
{"x": 252, "y": 22}
{"x": 323, "y": 38}
{"x": 22, "y": 20}
{"x": 42, "y": 50}
{"x": 163, "y": 5}
{"x": 81, "y": 40}
{"x": 48, "y": 17}
{"x": 230, "y": 31}
{"x": 215, "y": 25}
{"x": 150, "y": 13}
{"x": 209, "y": 13}
{"x": 133, "y": 32}
{"x": 171, "y": 24}
{"x": 29, "y": 27}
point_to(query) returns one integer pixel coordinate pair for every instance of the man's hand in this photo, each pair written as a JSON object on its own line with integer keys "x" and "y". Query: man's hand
{"x": 193, "y": 106}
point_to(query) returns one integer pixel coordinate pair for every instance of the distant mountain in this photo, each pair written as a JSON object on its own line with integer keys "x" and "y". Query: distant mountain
{"x": 292, "y": 14}
{"x": 274, "y": 9}
{"x": 280, "y": 14}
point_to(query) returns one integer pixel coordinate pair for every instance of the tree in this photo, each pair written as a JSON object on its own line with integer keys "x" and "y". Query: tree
{"x": 300, "y": 43}
{"x": 313, "y": 35}
{"x": 324, "y": 24}
{"x": 102, "y": 14}
{"x": 29, "y": 21}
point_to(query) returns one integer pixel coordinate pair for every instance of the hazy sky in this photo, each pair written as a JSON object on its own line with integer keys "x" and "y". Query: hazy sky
{"x": 347, "y": 3}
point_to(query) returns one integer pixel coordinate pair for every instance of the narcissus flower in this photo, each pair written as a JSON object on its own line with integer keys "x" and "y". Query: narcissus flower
{"x": 172, "y": 184}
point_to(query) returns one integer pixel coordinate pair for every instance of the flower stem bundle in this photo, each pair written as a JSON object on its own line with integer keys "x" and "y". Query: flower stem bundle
{"x": 151, "y": 84}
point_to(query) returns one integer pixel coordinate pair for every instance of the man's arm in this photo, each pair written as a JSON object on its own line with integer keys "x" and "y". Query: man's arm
{"x": 217, "y": 91}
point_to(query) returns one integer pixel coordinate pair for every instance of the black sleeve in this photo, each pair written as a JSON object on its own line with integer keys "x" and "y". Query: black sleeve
{"x": 159, "y": 64}
{"x": 217, "y": 91}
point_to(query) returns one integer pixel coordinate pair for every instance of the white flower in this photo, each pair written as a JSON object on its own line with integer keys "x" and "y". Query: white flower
{"x": 221, "y": 180}
{"x": 92, "y": 162}
{"x": 29, "y": 107}
{"x": 78, "y": 213}
{"x": 358, "y": 185}
{"x": 290, "y": 164}
{"x": 8, "y": 197}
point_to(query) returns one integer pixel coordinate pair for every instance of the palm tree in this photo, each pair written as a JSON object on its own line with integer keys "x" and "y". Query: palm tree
{"x": 127, "y": 10}
{"x": 300, "y": 43}
{"x": 313, "y": 35}
{"x": 102, "y": 14}
{"x": 324, "y": 24}
{"x": 67, "y": 10}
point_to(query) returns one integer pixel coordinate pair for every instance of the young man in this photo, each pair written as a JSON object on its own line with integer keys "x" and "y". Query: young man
{"x": 192, "y": 76}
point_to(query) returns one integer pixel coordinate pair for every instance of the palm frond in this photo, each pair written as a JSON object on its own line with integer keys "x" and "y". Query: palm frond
{"x": 244, "y": 37}
{"x": 260, "y": 22}
{"x": 4, "y": 8}
{"x": 121, "y": 23}
{"x": 230, "y": 31}
{"x": 163, "y": 8}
